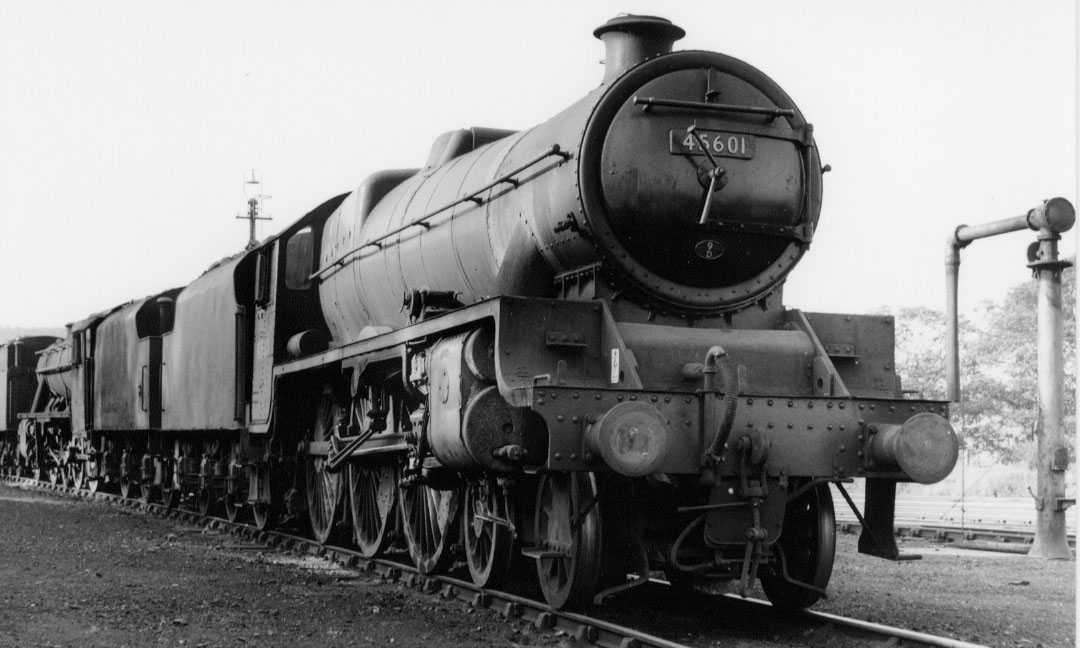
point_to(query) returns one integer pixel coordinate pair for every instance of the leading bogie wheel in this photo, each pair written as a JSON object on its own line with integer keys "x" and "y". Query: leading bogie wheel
{"x": 568, "y": 538}
{"x": 807, "y": 546}
{"x": 488, "y": 531}
{"x": 373, "y": 504}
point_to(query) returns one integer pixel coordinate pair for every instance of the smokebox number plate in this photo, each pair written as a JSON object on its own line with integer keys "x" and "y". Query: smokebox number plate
{"x": 720, "y": 143}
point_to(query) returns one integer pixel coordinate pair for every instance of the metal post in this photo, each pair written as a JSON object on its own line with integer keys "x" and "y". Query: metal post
{"x": 952, "y": 320}
{"x": 1049, "y": 219}
{"x": 1052, "y": 454}
{"x": 253, "y": 215}
{"x": 251, "y": 188}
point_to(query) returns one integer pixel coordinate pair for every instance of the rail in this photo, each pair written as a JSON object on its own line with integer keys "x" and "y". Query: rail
{"x": 948, "y": 533}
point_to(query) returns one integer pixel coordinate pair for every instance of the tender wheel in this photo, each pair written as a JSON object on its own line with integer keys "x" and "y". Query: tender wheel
{"x": 170, "y": 494}
{"x": 92, "y": 472}
{"x": 568, "y": 535}
{"x": 235, "y": 497}
{"x": 232, "y": 504}
{"x": 204, "y": 501}
{"x": 324, "y": 490}
{"x": 76, "y": 475}
{"x": 373, "y": 504}
{"x": 262, "y": 515}
{"x": 149, "y": 493}
{"x": 489, "y": 533}
{"x": 428, "y": 518}
{"x": 129, "y": 488}
{"x": 807, "y": 546}
{"x": 169, "y": 490}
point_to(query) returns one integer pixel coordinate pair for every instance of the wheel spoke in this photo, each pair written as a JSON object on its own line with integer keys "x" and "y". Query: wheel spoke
{"x": 808, "y": 544}
{"x": 569, "y": 580}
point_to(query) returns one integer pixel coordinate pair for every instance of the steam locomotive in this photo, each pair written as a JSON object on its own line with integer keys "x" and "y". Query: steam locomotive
{"x": 563, "y": 346}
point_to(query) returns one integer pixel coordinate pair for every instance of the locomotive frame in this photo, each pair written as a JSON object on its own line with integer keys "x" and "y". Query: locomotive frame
{"x": 558, "y": 384}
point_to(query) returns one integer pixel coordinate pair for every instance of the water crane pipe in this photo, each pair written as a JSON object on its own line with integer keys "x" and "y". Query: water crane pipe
{"x": 1052, "y": 217}
{"x": 1049, "y": 219}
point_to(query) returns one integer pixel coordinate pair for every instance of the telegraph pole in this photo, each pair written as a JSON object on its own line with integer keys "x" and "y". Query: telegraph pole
{"x": 254, "y": 202}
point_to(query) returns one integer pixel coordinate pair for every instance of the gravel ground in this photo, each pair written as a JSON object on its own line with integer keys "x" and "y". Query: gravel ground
{"x": 998, "y": 599}
{"x": 78, "y": 574}
{"x": 84, "y": 574}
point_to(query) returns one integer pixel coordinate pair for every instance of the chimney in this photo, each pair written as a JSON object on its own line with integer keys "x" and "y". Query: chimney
{"x": 629, "y": 40}
{"x": 166, "y": 312}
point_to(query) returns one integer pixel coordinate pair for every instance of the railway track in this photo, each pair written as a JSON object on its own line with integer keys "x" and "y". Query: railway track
{"x": 585, "y": 630}
{"x": 1000, "y": 539}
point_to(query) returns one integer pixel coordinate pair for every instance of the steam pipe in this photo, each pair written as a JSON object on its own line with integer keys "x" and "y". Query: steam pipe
{"x": 1055, "y": 215}
{"x": 952, "y": 319}
{"x": 716, "y": 361}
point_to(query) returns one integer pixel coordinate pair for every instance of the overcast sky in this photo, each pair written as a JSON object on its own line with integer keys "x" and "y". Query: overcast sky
{"x": 126, "y": 128}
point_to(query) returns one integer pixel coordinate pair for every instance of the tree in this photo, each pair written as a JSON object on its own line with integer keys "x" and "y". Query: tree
{"x": 998, "y": 367}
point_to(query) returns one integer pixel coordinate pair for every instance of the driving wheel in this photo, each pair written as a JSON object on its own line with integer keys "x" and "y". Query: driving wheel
{"x": 324, "y": 489}
{"x": 372, "y": 504}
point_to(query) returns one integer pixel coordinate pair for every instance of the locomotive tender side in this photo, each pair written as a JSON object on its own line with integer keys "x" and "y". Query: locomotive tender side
{"x": 565, "y": 344}
{"x": 18, "y": 359}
